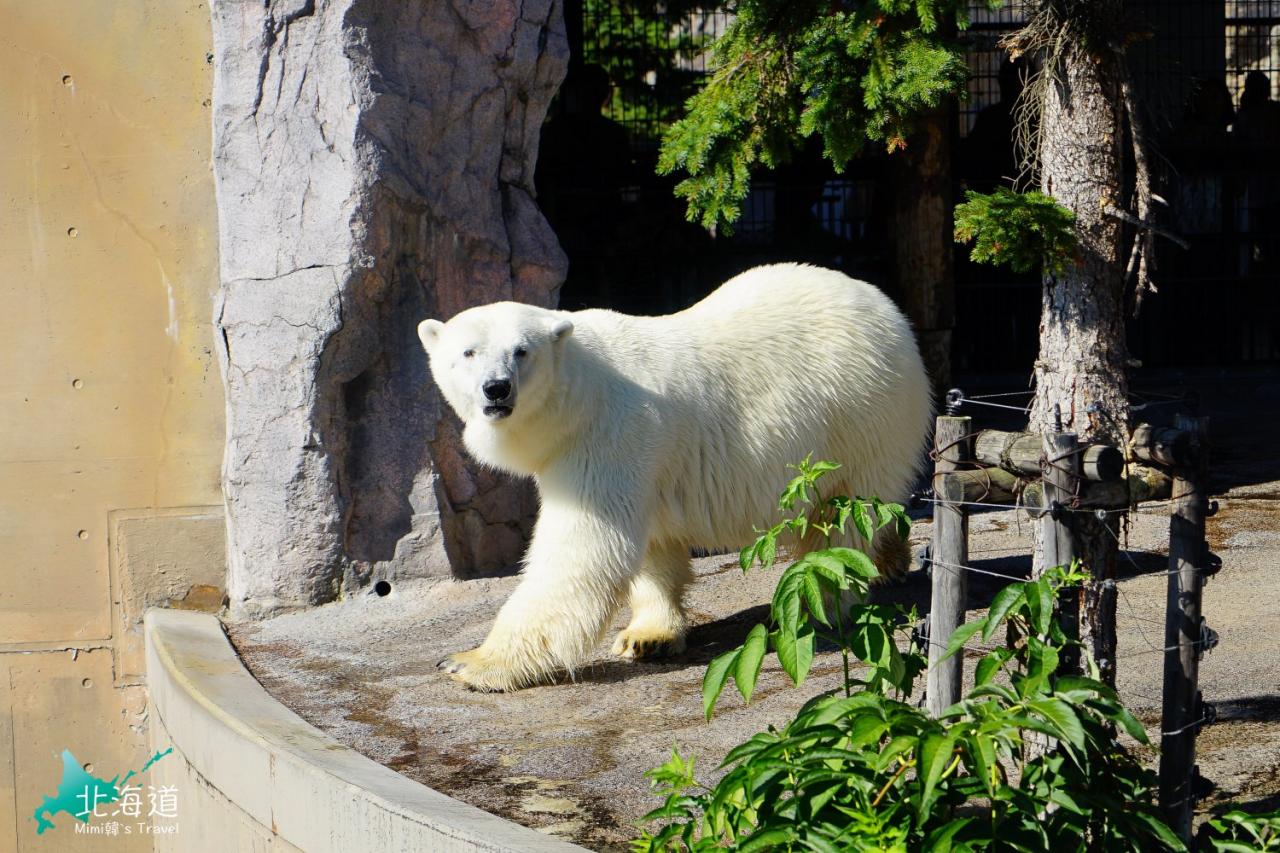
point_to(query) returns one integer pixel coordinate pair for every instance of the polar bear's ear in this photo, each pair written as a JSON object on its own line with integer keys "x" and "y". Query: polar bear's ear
{"x": 562, "y": 329}
{"x": 429, "y": 333}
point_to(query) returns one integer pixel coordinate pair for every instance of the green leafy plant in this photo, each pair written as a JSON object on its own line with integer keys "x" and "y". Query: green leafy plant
{"x": 784, "y": 70}
{"x": 1017, "y": 230}
{"x": 1241, "y": 832}
{"x": 806, "y": 606}
{"x": 649, "y": 51}
{"x": 1028, "y": 760}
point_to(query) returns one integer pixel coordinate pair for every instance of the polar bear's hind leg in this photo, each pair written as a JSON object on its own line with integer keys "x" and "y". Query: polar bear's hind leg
{"x": 891, "y": 553}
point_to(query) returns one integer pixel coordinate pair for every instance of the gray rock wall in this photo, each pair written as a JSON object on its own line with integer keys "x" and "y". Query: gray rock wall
{"x": 374, "y": 166}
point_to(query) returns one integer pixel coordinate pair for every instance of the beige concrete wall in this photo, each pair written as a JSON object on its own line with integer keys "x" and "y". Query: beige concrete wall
{"x": 111, "y": 411}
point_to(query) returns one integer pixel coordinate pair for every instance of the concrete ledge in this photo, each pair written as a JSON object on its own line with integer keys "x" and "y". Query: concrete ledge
{"x": 274, "y": 770}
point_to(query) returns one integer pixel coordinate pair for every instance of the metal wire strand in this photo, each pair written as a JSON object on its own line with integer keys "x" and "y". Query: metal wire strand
{"x": 954, "y": 567}
{"x": 1177, "y": 732}
{"x": 976, "y": 402}
{"x": 1003, "y": 394}
{"x": 1008, "y": 507}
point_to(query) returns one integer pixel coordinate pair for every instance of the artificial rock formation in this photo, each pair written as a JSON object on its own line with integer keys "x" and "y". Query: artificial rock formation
{"x": 374, "y": 166}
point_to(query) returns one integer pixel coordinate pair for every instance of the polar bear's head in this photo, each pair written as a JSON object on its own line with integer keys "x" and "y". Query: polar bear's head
{"x": 495, "y": 361}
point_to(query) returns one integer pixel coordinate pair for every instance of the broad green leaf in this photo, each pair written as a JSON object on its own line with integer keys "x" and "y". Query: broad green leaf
{"x": 1158, "y": 828}
{"x": 983, "y": 750}
{"x": 1000, "y": 691}
{"x": 768, "y": 550}
{"x": 749, "y": 748}
{"x": 786, "y": 598}
{"x": 769, "y": 839}
{"x": 990, "y": 665}
{"x": 840, "y": 562}
{"x": 817, "y": 802}
{"x": 1119, "y": 714}
{"x": 897, "y": 668}
{"x": 1042, "y": 663}
{"x": 843, "y": 508}
{"x": 866, "y": 730}
{"x": 713, "y": 682}
{"x": 939, "y": 841}
{"x": 1063, "y": 717}
{"x": 1063, "y": 799}
{"x": 826, "y": 569}
{"x": 835, "y": 708}
{"x": 813, "y": 598}
{"x": 1077, "y": 685}
{"x": 960, "y": 636}
{"x": 898, "y": 515}
{"x": 870, "y": 643}
{"x": 900, "y": 745}
{"x": 935, "y": 755}
{"x": 1036, "y": 724}
{"x": 1131, "y": 725}
{"x": 747, "y": 667}
{"x": 1006, "y": 599}
{"x": 795, "y": 653}
{"x": 817, "y": 469}
{"x": 797, "y": 489}
{"x": 884, "y": 513}
{"x": 1040, "y": 605}
{"x": 856, "y": 561}
{"x": 862, "y": 520}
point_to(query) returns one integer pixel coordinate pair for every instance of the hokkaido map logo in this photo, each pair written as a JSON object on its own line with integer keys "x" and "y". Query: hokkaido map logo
{"x": 111, "y": 807}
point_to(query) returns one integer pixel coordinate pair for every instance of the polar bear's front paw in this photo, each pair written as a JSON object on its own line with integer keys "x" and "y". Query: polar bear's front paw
{"x": 640, "y": 643}
{"x": 482, "y": 671}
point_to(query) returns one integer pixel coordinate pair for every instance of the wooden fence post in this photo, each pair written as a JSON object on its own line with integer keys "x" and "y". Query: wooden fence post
{"x": 1061, "y": 467}
{"x": 952, "y": 444}
{"x": 1183, "y": 634}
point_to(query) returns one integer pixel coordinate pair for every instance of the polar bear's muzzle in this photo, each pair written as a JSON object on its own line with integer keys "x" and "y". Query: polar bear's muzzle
{"x": 500, "y": 398}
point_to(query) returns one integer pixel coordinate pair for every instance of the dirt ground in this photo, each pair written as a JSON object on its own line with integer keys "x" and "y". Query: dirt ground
{"x": 568, "y": 758}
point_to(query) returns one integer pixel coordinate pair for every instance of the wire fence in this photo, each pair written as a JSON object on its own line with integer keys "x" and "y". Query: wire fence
{"x": 1147, "y": 634}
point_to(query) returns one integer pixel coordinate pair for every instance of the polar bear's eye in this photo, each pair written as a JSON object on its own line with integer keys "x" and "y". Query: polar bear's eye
{"x": 521, "y": 352}
{"x": 468, "y": 353}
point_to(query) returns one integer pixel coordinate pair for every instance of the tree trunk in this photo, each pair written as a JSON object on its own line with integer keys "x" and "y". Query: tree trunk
{"x": 922, "y": 242}
{"x": 1082, "y": 365}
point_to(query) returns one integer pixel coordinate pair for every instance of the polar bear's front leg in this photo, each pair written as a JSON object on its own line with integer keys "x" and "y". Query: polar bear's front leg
{"x": 577, "y": 569}
{"x": 658, "y": 624}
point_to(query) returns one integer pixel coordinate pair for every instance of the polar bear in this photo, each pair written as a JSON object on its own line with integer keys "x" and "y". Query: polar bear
{"x": 648, "y": 436}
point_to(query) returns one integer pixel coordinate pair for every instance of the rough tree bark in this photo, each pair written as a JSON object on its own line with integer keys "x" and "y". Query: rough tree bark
{"x": 374, "y": 166}
{"x": 923, "y": 243}
{"x": 1083, "y": 360}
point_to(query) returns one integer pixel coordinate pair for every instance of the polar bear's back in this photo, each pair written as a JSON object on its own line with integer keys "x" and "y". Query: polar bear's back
{"x": 788, "y": 289}
{"x": 780, "y": 362}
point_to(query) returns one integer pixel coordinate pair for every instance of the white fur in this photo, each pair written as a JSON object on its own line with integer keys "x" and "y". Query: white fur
{"x": 650, "y": 435}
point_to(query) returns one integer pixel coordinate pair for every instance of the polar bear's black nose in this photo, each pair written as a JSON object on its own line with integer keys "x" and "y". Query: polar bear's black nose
{"x": 497, "y": 389}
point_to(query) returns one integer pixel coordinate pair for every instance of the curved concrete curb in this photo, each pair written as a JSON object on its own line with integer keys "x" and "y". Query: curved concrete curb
{"x": 267, "y": 766}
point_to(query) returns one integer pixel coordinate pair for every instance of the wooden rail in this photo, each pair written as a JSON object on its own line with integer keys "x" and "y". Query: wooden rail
{"x": 1053, "y": 479}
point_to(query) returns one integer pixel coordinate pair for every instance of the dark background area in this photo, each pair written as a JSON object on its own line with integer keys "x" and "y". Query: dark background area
{"x": 1208, "y": 78}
